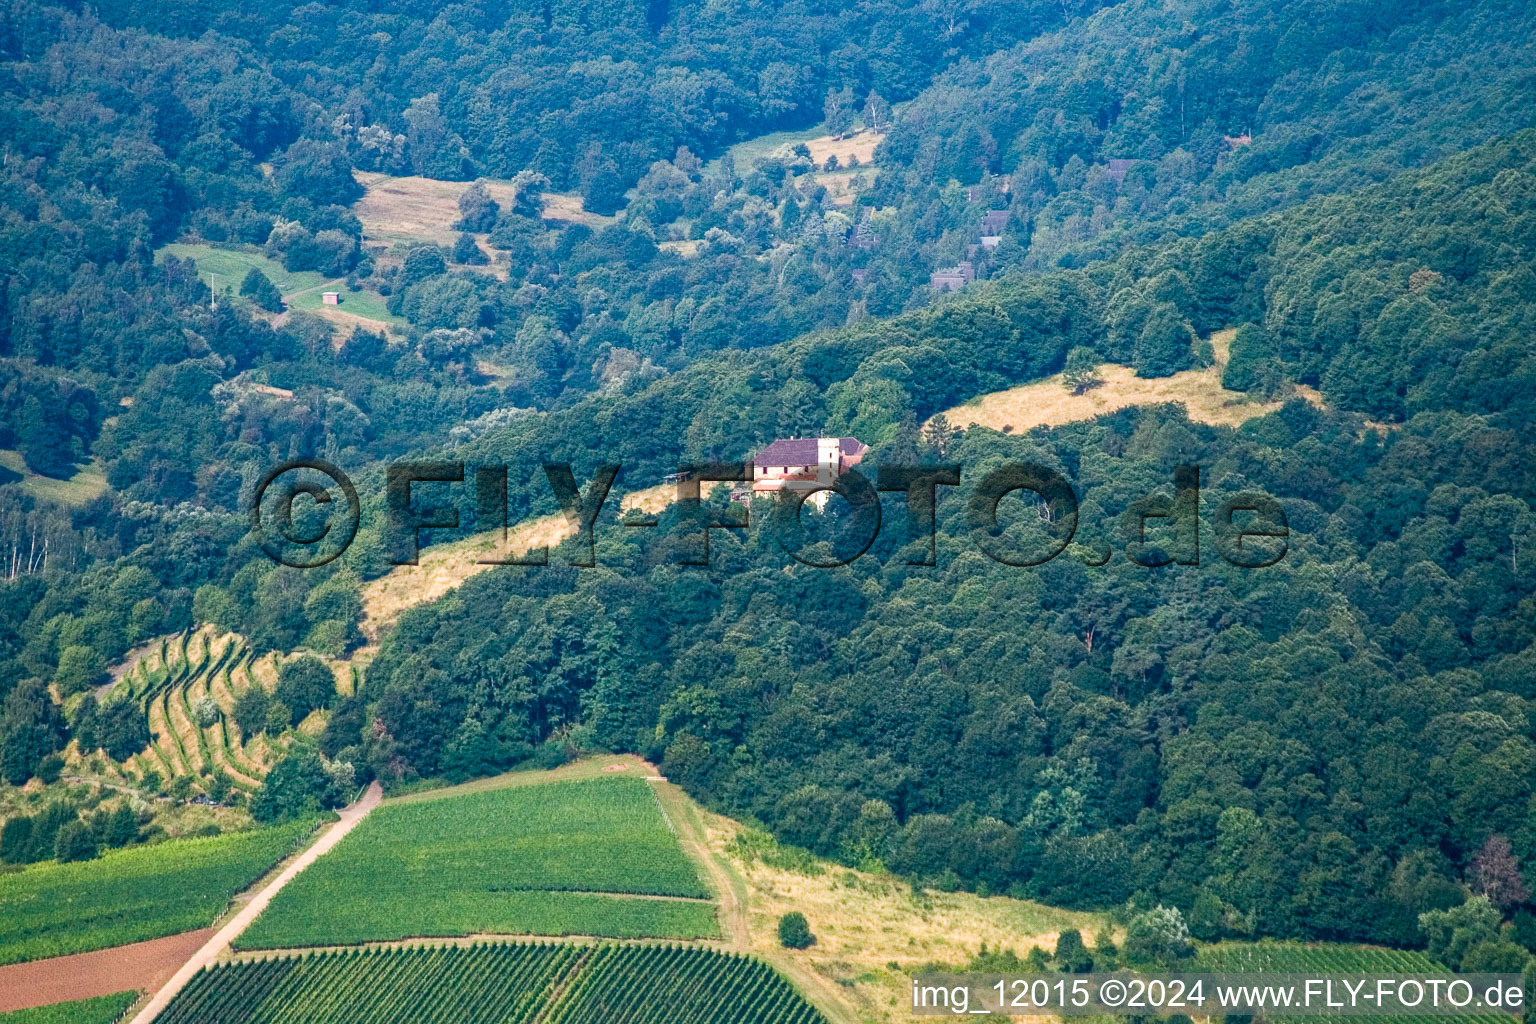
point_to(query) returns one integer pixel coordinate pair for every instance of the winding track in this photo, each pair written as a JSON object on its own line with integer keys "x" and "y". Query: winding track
{"x": 232, "y": 928}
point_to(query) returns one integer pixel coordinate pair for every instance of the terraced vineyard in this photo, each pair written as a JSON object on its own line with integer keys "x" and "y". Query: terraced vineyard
{"x": 1330, "y": 958}
{"x": 589, "y": 857}
{"x": 169, "y": 681}
{"x": 562, "y": 983}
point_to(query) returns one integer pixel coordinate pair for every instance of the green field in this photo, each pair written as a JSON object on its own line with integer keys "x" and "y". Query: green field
{"x": 678, "y": 985}
{"x": 231, "y": 265}
{"x": 87, "y": 482}
{"x": 362, "y": 303}
{"x": 537, "y": 859}
{"x": 301, "y": 289}
{"x": 1330, "y": 958}
{"x": 135, "y": 894}
{"x": 493, "y": 984}
{"x": 101, "y": 1010}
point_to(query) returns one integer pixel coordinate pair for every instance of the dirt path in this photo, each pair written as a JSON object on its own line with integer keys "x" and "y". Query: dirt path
{"x": 735, "y": 924}
{"x": 242, "y": 920}
{"x": 101, "y": 972}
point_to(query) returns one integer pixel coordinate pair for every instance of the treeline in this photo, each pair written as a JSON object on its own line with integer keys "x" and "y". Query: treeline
{"x": 65, "y": 830}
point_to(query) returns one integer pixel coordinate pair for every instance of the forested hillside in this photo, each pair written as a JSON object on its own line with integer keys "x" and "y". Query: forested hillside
{"x": 1325, "y": 747}
{"x": 1319, "y": 747}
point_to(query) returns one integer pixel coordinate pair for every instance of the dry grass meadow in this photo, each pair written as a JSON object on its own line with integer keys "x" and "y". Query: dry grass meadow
{"x": 1048, "y": 403}
{"x": 415, "y": 209}
{"x": 443, "y": 567}
{"x": 872, "y": 930}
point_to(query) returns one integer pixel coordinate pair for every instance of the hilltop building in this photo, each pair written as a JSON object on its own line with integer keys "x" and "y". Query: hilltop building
{"x": 803, "y": 463}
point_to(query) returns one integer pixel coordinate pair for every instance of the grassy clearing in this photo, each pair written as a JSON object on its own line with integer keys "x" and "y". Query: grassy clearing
{"x": 300, "y": 289}
{"x": 134, "y": 894}
{"x": 442, "y": 567}
{"x": 861, "y": 143}
{"x": 101, "y": 1010}
{"x": 231, "y": 265}
{"x": 415, "y": 210}
{"x": 540, "y": 859}
{"x": 362, "y": 303}
{"x": 872, "y": 930}
{"x": 1048, "y": 403}
{"x": 87, "y": 483}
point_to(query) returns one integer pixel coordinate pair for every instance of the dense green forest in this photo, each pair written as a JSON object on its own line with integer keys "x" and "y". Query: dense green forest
{"x": 1326, "y": 747}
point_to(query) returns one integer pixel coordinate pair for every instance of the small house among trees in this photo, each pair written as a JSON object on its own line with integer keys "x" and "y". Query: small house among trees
{"x": 952, "y": 279}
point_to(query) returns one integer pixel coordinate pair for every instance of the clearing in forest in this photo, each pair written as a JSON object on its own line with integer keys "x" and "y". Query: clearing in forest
{"x": 415, "y": 209}
{"x": 1048, "y": 403}
{"x": 582, "y": 856}
{"x": 442, "y": 567}
{"x": 87, "y": 483}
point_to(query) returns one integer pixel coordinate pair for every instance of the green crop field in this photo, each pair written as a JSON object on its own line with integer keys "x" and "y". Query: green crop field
{"x": 678, "y": 985}
{"x": 501, "y": 983}
{"x": 134, "y": 894}
{"x": 1330, "y": 958}
{"x": 540, "y": 859}
{"x": 300, "y": 288}
{"x": 101, "y": 1010}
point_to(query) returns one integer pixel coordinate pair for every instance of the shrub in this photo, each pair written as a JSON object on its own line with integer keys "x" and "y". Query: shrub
{"x": 258, "y": 287}
{"x": 250, "y": 712}
{"x": 466, "y": 251}
{"x": 1071, "y": 955}
{"x": 1157, "y": 936}
{"x": 205, "y": 711}
{"x": 74, "y": 842}
{"x": 1082, "y": 370}
{"x": 795, "y": 931}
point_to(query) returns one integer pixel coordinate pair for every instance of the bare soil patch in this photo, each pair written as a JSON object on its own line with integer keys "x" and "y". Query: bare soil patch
{"x": 139, "y": 966}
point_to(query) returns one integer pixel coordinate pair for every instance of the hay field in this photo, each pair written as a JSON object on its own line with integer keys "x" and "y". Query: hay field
{"x": 442, "y": 567}
{"x": 1048, "y": 403}
{"x": 88, "y": 482}
{"x": 415, "y": 209}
